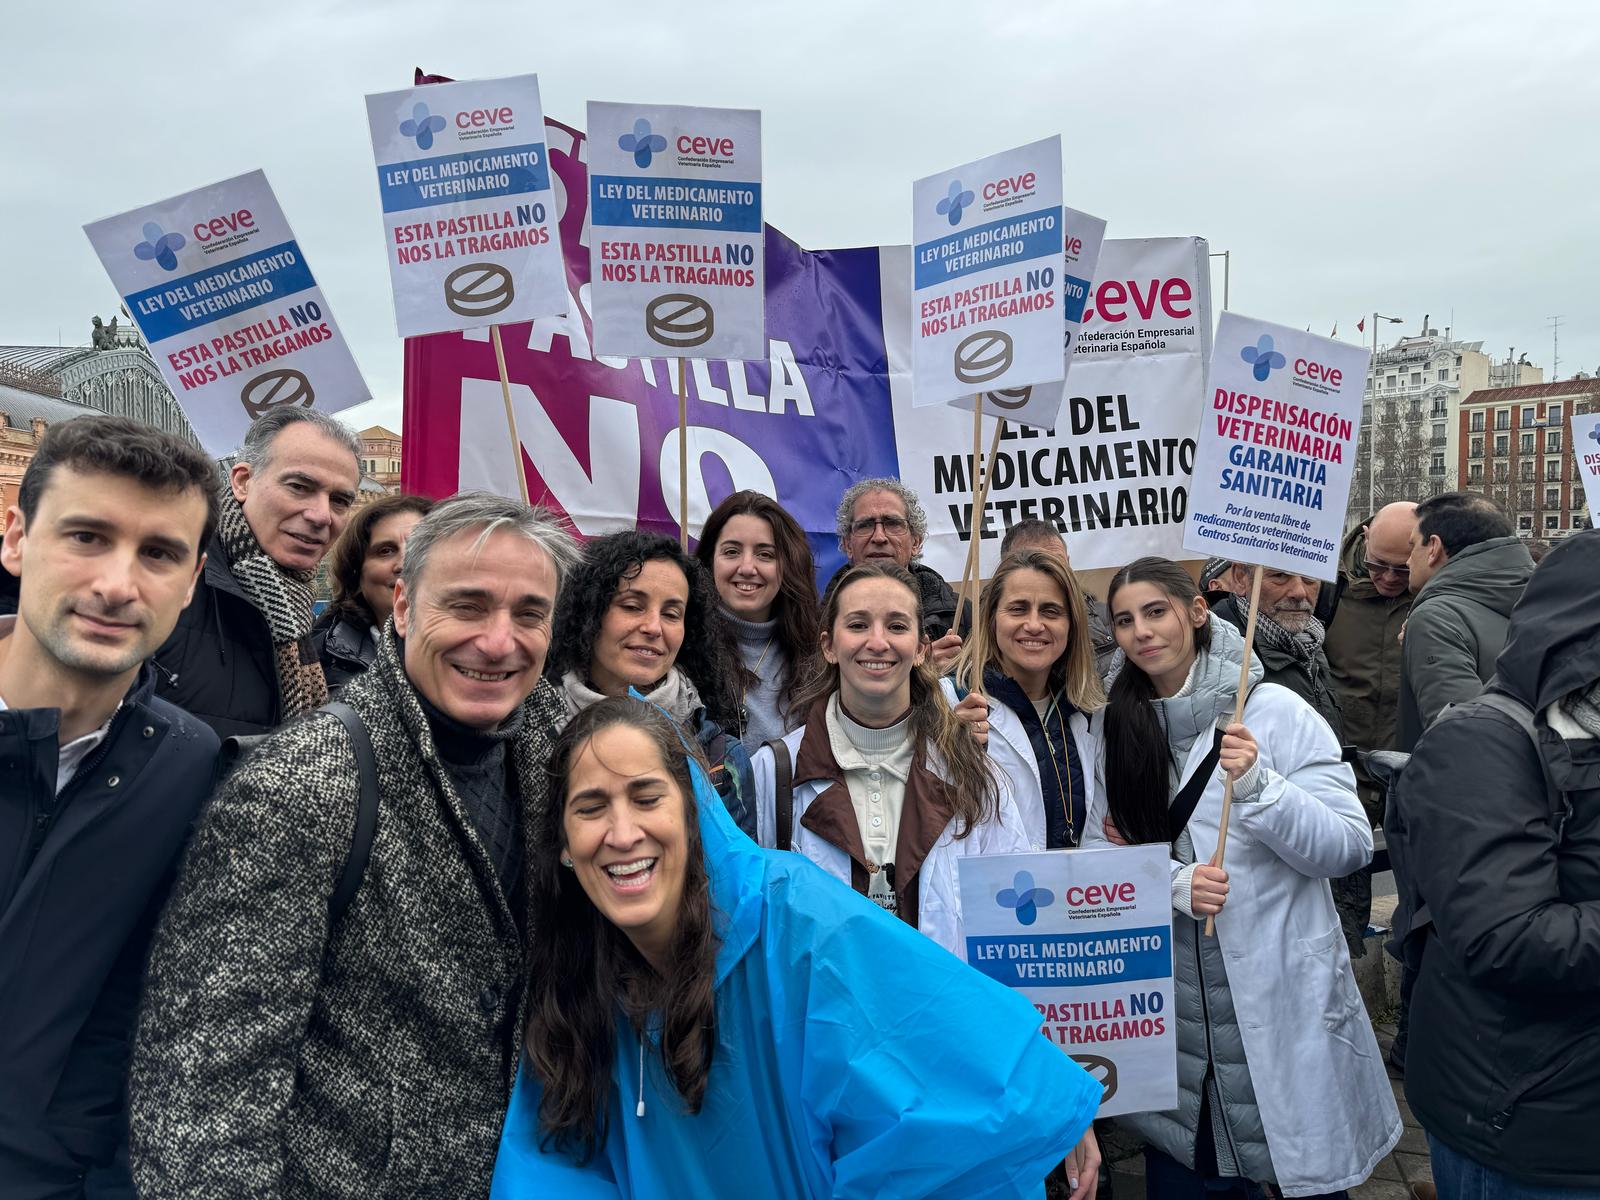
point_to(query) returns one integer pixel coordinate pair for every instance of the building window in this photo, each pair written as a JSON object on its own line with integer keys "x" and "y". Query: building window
{"x": 1527, "y": 414}
{"x": 1552, "y": 441}
{"x": 1389, "y": 382}
{"x": 1552, "y": 497}
{"x": 1475, "y": 473}
{"x": 1388, "y": 410}
{"x": 1552, "y": 470}
{"x": 1502, "y": 418}
{"x": 1553, "y": 521}
{"x": 1477, "y": 422}
{"x": 1416, "y": 378}
{"x": 1527, "y": 469}
{"x": 1552, "y": 412}
{"x": 1525, "y": 524}
{"x": 1500, "y": 443}
{"x": 1444, "y": 376}
{"x": 1475, "y": 450}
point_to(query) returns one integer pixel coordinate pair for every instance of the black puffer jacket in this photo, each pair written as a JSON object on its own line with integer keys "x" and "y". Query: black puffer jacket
{"x": 219, "y": 663}
{"x": 345, "y": 648}
{"x": 1504, "y": 1059}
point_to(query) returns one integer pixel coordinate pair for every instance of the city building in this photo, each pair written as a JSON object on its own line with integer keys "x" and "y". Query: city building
{"x": 380, "y": 456}
{"x": 1515, "y": 444}
{"x": 114, "y": 374}
{"x": 1410, "y": 418}
{"x": 25, "y": 413}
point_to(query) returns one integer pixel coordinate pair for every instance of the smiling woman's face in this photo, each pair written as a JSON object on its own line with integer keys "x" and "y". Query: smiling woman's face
{"x": 642, "y": 631}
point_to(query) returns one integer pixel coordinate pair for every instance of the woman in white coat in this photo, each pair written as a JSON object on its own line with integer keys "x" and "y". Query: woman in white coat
{"x": 883, "y": 787}
{"x": 1043, "y": 695}
{"x": 1279, "y": 1077}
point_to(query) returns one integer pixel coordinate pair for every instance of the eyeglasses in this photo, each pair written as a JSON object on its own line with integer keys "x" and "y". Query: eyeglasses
{"x": 1379, "y": 568}
{"x": 893, "y": 527}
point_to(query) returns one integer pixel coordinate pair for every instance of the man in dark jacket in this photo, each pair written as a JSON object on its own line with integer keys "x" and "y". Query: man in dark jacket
{"x": 101, "y": 781}
{"x": 1502, "y": 839}
{"x": 285, "y": 1051}
{"x": 242, "y": 658}
{"x": 1467, "y": 572}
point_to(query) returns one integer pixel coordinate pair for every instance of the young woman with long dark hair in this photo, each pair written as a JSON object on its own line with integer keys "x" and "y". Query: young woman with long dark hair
{"x": 1044, "y": 697}
{"x": 362, "y": 569}
{"x": 1279, "y": 1077}
{"x": 707, "y": 1018}
{"x": 888, "y": 788}
{"x": 638, "y": 612}
{"x": 761, "y": 563}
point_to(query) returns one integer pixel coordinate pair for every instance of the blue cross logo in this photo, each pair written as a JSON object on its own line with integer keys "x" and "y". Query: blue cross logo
{"x": 953, "y": 203}
{"x": 422, "y": 126}
{"x": 1026, "y": 899}
{"x": 162, "y": 247}
{"x": 1594, "y": 435}
{"x": 1264, "y": 357}
{"x": 641, "y": 143}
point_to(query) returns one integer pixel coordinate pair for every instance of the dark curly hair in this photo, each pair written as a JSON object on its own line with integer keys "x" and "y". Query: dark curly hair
{"x": 584, "y": 973}
{"x": 706, "y": 655}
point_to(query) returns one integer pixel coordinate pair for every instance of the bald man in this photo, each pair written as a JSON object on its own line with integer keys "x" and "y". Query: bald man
{"x": 1363, "y": 651}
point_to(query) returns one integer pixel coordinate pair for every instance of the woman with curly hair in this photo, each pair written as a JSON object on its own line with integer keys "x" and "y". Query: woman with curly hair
{"x": 885, "y": 788}
{"x": 706, "y": 1018}
{"x": 761, "y": 563}
{"x": 362, "y": 570}
{"x": 638, "y": 612}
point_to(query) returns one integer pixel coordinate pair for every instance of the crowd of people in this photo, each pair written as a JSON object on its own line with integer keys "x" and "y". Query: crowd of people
{"x": 500, "y": 877}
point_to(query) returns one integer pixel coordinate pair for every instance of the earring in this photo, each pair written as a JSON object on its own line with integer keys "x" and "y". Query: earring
{"x": 566, "y": 862}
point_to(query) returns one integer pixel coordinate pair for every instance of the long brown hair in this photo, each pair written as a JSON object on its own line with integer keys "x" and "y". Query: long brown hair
{"x": 583, "y": 970}
{"x": 349, "y": 555}
{"x": 1074, "y": 671}
{"x": 795, "y": 608}
{"x": 1138, "y": 755}
{"x": 974, "y": 791}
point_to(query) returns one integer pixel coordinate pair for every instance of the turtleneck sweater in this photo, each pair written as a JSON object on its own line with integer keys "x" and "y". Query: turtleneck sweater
{"x": 763, "y": 655}
{"x": 484, "y": 777}
{"x": 876, "y": 764}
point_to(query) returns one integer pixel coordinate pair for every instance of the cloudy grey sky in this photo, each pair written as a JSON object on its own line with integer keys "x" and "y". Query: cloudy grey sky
{"x": 1415, "y": 158}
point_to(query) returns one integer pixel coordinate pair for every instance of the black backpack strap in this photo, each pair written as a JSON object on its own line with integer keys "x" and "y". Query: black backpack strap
{"x": 1188, "y": 797}
{"x": 783, "y": 773}
{"x": 355, "y": 862}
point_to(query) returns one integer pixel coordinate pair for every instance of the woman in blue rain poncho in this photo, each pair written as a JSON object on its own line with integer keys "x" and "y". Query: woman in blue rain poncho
{"x": 708, "y": 1019}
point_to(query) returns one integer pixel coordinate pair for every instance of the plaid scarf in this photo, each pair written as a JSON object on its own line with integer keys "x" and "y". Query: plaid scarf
{"x": 1302, "y": 646}
{"x": 284, "y": 598}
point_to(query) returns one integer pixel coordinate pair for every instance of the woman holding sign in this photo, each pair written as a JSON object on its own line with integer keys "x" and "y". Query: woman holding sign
{"x": 710, "y": 1019}
{"x": 759, "y": 559}
{"x": 1044, "y": 697}
{"x": 883, "y": 787}
{"x": 1278, "y": 1071}
{"x": 640, "y": 613}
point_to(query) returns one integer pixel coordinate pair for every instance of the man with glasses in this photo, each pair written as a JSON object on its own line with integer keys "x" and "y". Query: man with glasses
{"x": 881, "y": 520}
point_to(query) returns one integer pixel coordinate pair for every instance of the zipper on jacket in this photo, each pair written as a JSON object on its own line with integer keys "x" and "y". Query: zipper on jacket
{"x": 1211, "y": 1052}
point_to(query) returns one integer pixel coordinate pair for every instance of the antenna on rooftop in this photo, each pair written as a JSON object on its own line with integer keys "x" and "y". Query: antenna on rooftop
{"x": 1555, "y": 346}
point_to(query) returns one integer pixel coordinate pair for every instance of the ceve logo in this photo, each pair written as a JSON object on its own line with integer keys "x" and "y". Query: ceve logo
{"x": 1012, "y": 185}
{"x": 702, "y": 146}
{"x": 218, "y": 227}
{"x": 1095, "y": 894}
{"x": 1310, "y": 369}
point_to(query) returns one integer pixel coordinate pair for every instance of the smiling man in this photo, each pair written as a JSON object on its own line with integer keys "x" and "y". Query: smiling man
{"x": 285, "y": 1051}
{"x": 242, "y": 658}
{"x": 99, "y": 780}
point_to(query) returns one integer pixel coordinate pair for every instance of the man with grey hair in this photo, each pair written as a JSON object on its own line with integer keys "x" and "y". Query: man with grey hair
{"x": 300, "y": 1038}
{"x": 242, "y": 658}
{"x": 881, "y": 520}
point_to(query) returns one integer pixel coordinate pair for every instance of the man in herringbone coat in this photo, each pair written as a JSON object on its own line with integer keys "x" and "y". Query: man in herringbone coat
{"x": 283, "y": 1052}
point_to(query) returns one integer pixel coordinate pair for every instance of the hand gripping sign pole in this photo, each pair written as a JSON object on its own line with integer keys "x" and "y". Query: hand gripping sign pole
{"x": 1238, "y": 716}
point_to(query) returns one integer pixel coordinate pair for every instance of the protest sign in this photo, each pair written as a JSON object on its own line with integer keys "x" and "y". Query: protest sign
{"x": 1276, "y": 448}
{"x": 675, "y": 262}
{"x": 987, "y": 270}
{"x": 1113, "y": 475}
{"x": 1039, "y": 404}
{"x": 1086, "y": 936}
{"x": 468, "y": 212}
{"x": 227, "y": 303}
{"x": 801, "y": 423}
{"x": 1586, "y": 445}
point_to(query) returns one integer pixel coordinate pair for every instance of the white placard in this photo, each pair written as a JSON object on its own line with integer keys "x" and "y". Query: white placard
{"x": 1277, "y": 447}
{"x": 227, "y": 303}
{"x": 987, "y": 275}
{"x": 676, "y": 242}
{"x": 468, "y": 215}
{"x": 1086, "y": 936}
{"x": 1113, "y": 475}
{"x": 1039, "y": 404}
{"x": 1586, "y": 445}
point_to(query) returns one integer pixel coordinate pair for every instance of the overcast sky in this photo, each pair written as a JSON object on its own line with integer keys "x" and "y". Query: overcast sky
{"x": 1416, "y": 158}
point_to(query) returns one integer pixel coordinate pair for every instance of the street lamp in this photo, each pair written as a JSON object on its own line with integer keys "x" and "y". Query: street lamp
{"x": 1372, "y": 423}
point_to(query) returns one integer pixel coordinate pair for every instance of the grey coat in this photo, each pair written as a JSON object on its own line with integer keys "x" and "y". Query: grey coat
{"x": 279, "y": 1058}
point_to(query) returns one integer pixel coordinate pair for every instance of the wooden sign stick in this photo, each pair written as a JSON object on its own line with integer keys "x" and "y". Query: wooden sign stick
{"x": 683, "y": 453}
{"x": 977, "y": 464}
{"x": 976, "y": 631}
{"x": 1238, "y": 715}
{"x": 511, "y": 416}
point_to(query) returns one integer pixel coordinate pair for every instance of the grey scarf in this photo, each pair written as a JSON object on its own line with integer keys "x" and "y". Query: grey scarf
{"x": 674, "y": 693}
{"x": 1583, "y": 707}
{"x": 1302, "y": 646}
